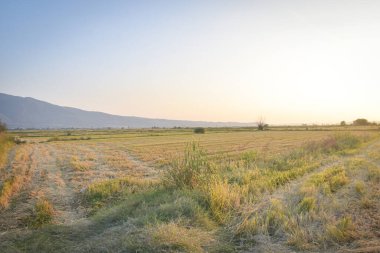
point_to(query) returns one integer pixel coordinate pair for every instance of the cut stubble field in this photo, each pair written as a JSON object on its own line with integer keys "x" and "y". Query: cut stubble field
{"x": 231, "y": 190}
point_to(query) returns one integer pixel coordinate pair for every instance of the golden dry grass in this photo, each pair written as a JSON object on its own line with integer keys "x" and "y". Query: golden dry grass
{"x": 293, "y": 190}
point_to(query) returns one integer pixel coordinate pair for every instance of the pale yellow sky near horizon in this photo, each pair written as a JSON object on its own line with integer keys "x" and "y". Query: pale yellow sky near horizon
{"x": 287, "y": 61}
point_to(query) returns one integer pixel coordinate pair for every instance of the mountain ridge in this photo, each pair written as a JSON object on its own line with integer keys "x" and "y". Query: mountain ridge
{"x": 31, "y": 113}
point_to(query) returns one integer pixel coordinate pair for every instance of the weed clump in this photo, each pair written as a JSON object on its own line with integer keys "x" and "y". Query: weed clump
{"x": 192, "y": 171}
{"x": 173, "y": 237}
{"x": 306, "y": 205}
{"x": 342, "y": 231}
{"x": 43, "y": 213}
{"x": 224, "y": 199}
{"x": 330, "y": 180}
{"x": 97, "y": 194}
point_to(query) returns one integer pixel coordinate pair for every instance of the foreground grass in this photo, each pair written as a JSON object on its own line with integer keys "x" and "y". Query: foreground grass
{"x": 332, "y": 209}
{"x": 206, "y": 206}
{"x": 6, "y": 144}
{"x": 10, "y": 181}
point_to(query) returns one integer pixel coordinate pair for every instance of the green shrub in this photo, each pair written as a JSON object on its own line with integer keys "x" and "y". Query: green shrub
{"x": 199, "y": 130}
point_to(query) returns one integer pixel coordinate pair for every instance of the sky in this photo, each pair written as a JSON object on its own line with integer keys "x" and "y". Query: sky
{"x": 286, "y": 61}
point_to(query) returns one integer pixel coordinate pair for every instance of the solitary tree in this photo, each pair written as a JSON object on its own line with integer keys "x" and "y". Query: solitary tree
{"x": 261, "y": 125}
{"x": 343, "y": 123}
{"x": 361, "y": 122}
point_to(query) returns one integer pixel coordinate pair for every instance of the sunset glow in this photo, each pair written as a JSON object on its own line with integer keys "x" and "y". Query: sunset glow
{"x": 288, "y": 61}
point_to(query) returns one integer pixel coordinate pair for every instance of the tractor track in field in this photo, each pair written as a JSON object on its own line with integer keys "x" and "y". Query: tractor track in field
{"x": 48, "y": 175}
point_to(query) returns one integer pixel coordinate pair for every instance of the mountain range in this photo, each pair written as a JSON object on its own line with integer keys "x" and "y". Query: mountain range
{"x": 30, "y": 113}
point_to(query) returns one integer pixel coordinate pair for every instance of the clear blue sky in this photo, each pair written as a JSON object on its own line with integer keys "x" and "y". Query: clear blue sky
{"x": 288, "y": 61}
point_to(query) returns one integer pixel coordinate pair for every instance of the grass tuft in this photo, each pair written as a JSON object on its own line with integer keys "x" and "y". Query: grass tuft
{"x": 99, "y": 193}
{"x": 224, "y": 200}
{"x": 172, "y": 237}
{"x": 192, "y": 171}
{"x": 307, "y": 204}
{"x": 342, "y": 231}
{"x": 360, "y": 187}
{"x": 42, "y": 214}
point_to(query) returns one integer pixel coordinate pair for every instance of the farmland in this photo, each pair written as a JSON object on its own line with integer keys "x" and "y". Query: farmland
{"x": 170, "y": 190}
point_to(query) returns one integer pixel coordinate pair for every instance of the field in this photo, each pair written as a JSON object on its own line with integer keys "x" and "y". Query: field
{"x": 290, "y": 189}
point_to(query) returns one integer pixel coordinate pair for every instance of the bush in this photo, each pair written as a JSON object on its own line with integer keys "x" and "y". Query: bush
{"x": 261, "y": 125}
{"x": 199, "y": 130}
{"x": 3, "y": 127}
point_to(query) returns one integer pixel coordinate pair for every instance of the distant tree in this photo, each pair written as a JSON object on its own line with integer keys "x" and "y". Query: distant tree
{"x": 361, "y": 122}
{"x": 199, "y": 130}
{"x": 3, "y": 127}
{"x": 343, "y": 123}
{"x": 261, "y": 125}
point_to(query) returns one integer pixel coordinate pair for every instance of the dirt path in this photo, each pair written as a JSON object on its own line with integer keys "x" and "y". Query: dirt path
{"x": 22, "y": 164}
{"x": 53, "y": 183}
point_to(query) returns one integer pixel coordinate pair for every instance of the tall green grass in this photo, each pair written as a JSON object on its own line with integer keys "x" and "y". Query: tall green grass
{"x": 192, "y": 171}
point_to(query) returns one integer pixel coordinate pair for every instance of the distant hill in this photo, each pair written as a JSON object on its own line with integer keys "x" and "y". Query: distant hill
{"x": 26, "y": 112}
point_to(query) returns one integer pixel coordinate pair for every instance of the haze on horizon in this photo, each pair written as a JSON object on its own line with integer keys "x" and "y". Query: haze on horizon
{"x": 288, "y": 61}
